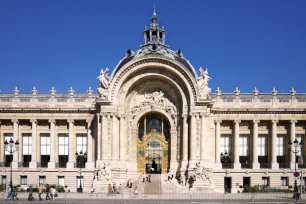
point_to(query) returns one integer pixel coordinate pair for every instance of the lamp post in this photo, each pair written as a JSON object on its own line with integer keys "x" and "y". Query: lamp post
{"x": 9, "y": 147}
{"x": 297, "y": 147}
{"x": 225, "y": 158}
{"x": 81, "y": 159}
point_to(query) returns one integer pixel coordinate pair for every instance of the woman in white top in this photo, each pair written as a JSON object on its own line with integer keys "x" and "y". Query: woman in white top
{"x": 53, "y": 191}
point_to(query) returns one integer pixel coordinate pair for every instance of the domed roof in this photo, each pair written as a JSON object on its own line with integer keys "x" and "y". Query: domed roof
{"x": 154, "y": 45}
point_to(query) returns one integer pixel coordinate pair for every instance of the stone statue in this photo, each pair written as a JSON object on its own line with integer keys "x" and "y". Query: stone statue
{"x": 202, "y": 83}
{"x": 103, "y": 174}
{"x": 104, "y": 83}
{"x": 201, "y": 172}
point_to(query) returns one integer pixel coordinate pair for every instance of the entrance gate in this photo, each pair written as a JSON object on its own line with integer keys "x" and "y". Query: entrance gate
{"x": 152, "y": 153}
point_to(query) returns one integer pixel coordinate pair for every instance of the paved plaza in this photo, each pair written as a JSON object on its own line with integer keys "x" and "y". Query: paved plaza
{"x": 85, "y": 198}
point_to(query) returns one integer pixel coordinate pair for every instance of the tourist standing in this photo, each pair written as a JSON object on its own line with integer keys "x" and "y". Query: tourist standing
{"x": 39, "y": 192}
{"x": 48, "y": 192}
{"x": 119, "y": 189}
{"x": 53, "y": 191}
{"x": 109, "y": 188}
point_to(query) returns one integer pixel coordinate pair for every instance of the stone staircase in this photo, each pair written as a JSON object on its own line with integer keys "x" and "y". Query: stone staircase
{"x": 172, "y": 186}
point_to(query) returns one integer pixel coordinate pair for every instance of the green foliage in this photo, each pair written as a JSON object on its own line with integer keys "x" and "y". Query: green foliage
{"x": 246, "y": 189}
{"x": 289, "y": 186}
{"x": 60, "y": 188}
{"x": 258, "y": 189}
{"x": 2, "y": 187}
{"x": 22, "y": 190}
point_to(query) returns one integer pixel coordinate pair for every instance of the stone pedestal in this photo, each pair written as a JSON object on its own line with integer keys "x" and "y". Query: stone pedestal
{"x": 51, "y": 165}
{"x": 202, "y": 186}
{"x": 274, "y": 165}
{"x": 70, "y": 165}
{"x": 237, "y": 165}
{"x": 14, "y": 165}
{"x": 90, "y": 165}
{"x": 256, "y": 165}
{"x": 33, "y": 165}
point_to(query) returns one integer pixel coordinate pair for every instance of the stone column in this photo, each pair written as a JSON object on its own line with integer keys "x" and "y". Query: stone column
{"x": 122, "y": 138}
{"x": 99, "y": 126}
{"x": 217, "y": 144}
{"x": 71, "y": 160}
{"x": 106, "y": 152}
{"x": 15, "y": 138}
{"x": 115, "y": 139}
{"x": 292, "y": 138}
{"x": 185, "y": 142}
{"x": 274, "y": 164}
{"x": 193, "y": 138}
{"x": 51, "y": 163}
{"x": 203, "y": 139}
{"x": 90, "y": 163}
{"x": 33, "y": 163}
{"x": 173, "y": 159}
{"x": 237, "y": 164}
{"x": 256, "y": 165}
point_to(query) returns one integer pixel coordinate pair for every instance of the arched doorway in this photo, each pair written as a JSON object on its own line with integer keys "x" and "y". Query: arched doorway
{"x": 152, "y": 144}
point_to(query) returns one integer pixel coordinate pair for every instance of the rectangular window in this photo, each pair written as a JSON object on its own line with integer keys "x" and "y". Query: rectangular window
{"x": 26, "y": 148}
{"x": 280, "y": 144}
{"x": 81, "y": 147}
{"x": 265, "y": 181}
{"x": 44, "y": 149}
{"x": 8, "y": 157}
{"x": 80, "y": 183}
{"x": 63, "y": 150}
{"x": 42, "y": 181}
{"x": 284, "y": 181}
{"x": 61, "y": 181}
{"x": 81, "y": 142}
{"x": 23, "y": 180}
{"x": 244, "y": 145}
{"x": 262, "y": 145}
{"x": 225, "y": 143}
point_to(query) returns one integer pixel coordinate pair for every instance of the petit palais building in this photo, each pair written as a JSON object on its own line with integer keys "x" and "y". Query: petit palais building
{"x": 154, "y": 113}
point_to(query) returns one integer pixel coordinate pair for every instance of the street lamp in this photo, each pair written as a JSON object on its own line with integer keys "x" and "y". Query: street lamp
{"x": 225, "y": 158}
{"x": 81, "y": 160}
{"x": 9, "y": 147}
{"x": 297, "y": 148}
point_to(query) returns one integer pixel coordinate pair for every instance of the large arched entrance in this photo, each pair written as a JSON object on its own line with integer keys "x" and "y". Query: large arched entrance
{"x": 152, "y": 144}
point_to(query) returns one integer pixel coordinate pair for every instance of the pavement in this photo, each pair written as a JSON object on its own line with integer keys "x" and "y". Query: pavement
{"x": 150, "y": 201}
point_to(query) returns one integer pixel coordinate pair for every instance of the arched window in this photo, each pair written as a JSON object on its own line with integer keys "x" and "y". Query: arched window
{"x": 151, "y": 122}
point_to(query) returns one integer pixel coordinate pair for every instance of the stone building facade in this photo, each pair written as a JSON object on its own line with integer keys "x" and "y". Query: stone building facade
{"x": 154, "y": 113}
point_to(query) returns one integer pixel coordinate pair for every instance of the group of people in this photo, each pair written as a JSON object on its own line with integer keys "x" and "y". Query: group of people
{"x": 146, "y": 177}
{"x": 113, "y": 189}
{"x": 50, "y": 193}
{"x": 11, "y": 193}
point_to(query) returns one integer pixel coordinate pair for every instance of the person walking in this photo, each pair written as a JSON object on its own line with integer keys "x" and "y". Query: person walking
{"x": 14, "y": 193}
{"x": 9, "y": 193}
{"x": 149, "y": 177}
{"x": 119, "y": 189}
{"x": 143, "y": 177}
{"x": 109, "y": 188}
{"x": 53, "y": 191}
{"x": 39, "y": 192}
{"x": 30, "y": 197}
{"x": 48, "y": 192}
{"x": 114, "y": 189}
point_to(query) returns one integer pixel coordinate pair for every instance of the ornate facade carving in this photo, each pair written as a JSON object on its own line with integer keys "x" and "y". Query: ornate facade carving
{"x": 202, "y": 83}
{"x": 104, "y": 83}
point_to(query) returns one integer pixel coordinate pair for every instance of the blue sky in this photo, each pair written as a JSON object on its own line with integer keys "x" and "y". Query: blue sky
{"x": 64, "y": 43}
